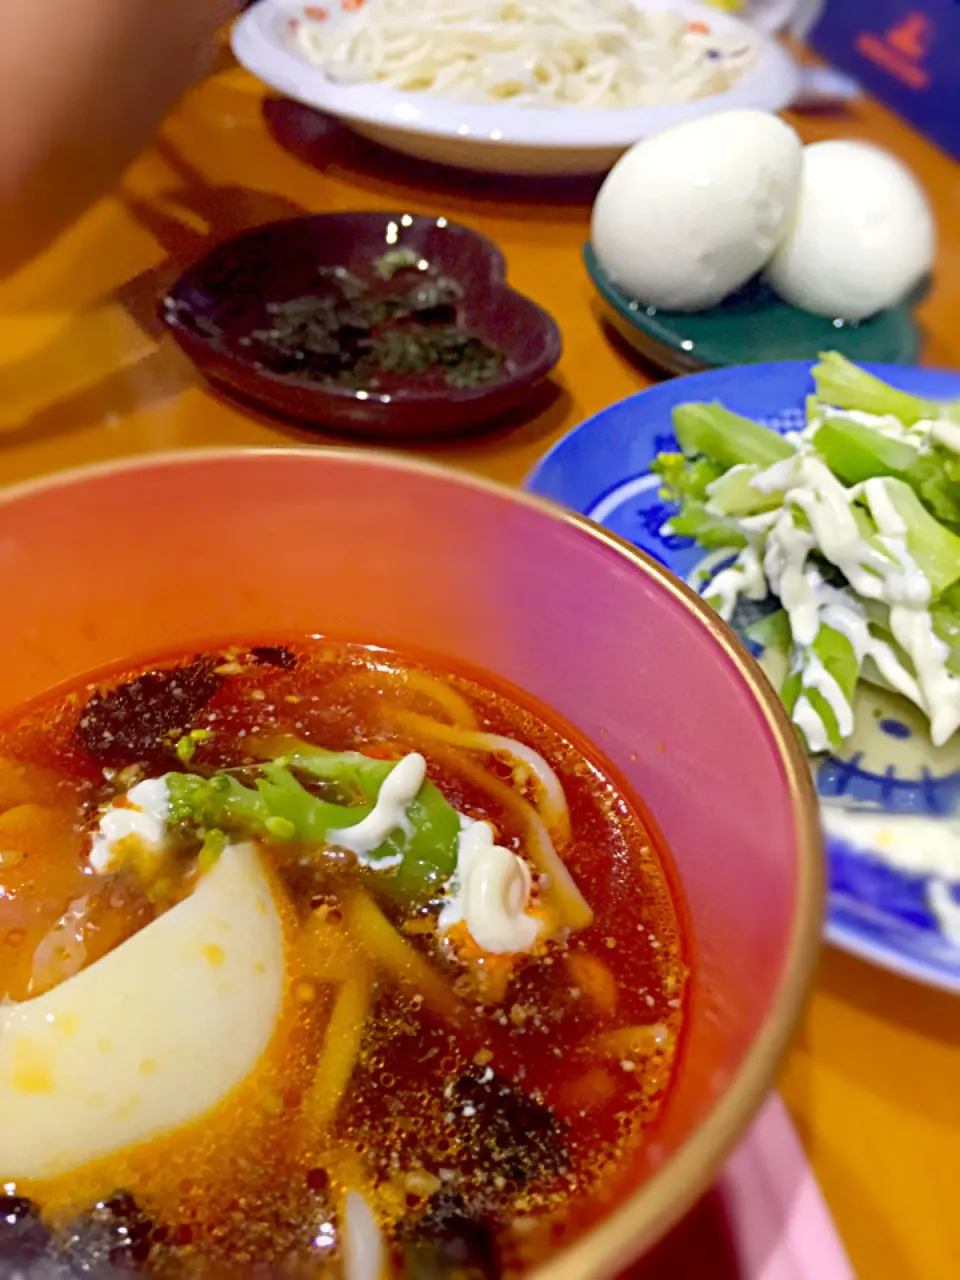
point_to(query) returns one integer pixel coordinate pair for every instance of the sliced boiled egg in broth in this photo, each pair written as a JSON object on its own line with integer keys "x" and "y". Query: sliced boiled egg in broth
{"x": 152, "y": 1036}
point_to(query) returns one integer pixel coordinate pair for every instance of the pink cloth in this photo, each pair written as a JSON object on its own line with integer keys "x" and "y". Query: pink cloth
{"x": 765, "y": 1219}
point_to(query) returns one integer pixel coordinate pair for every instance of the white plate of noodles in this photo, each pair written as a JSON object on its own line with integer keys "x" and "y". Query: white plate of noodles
{"x": 513, "y": 86}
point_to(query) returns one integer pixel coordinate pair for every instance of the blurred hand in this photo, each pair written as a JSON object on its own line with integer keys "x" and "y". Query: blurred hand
{"x": 83, "y": 86}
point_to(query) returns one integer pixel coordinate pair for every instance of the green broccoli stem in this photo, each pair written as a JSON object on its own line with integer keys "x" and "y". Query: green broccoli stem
{"x": 684, "y": 477}
{"x": 846, "y": 386}
{"x": 735, "y": 494}
{"x": 280, "y": 809}
{"x": 933, "y": 547}
{"x": 685, "y": 481}
{"x": 946, "y": 626}
{"x": 711, "y": 531}
{"x": 727, "y": 438}
{"x": 855, "y": 453}
{"x": 772, "y": 632}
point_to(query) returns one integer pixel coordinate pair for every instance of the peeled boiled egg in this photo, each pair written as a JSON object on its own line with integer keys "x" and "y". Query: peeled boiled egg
{"x": 862, "y": 236}
{"x": 688, "y": 216}
{"x": 150, "y": 1037}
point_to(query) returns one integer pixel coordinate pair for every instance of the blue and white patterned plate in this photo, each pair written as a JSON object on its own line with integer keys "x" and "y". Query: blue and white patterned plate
{"x": 602, "y": 470}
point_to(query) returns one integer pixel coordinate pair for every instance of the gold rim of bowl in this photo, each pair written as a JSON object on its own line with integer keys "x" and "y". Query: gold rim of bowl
{"x": 649, "y": 1212}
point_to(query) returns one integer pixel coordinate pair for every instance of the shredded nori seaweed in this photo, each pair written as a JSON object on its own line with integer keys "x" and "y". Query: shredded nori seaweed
{"x": 347, "y": 334}
{"x": 139, "y": 722}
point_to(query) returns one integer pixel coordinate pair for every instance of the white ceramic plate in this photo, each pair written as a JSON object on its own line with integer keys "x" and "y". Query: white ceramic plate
{"x": 498, "y": 139}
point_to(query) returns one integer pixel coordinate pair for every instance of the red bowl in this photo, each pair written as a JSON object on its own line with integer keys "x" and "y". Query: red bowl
{"x": 157, "y": 555}
{"x": 222, "y": 298}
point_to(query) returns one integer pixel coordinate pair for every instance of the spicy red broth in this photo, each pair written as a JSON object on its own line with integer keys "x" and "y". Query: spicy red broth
{"x": 316, "y": 959}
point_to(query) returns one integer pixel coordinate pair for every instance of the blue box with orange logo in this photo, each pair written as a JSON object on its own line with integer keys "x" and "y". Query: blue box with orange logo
{"x": 907, "y": 54}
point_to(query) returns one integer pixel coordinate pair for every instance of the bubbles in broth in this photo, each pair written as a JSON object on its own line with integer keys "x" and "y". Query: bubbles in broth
{"x": 319, "y": 961}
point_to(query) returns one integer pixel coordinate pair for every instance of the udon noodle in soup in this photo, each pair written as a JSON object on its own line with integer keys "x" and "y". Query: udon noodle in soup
{"x": 320, "y": 961}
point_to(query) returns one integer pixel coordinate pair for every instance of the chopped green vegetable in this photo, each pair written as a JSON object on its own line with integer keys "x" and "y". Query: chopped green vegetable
{"x": 846, "y": 386}
{"x": 221, "y": 801}
{"x": 895, "y": 477}
{"x": 935, "y": 549}
{"x": 187, "y": 745}
{"x": 686, "y": 481}
{"x": 214, "y": 843}
{"x": 685, "y": 477}
{"x": 280, "y": 828}
{"x": 735, "y": 494}
{"x": 855, "y": 453}
{"x": 726, "y": 438}
{"x": 772, "y": 632}
{"x": 832, "y": 651}
{"x": 281, "y": 807}
{"x": 429, "y": 850}
{"x": 711, "y": 531}
{"x": 946, "y": 625}
{"x": 936, "y": 480}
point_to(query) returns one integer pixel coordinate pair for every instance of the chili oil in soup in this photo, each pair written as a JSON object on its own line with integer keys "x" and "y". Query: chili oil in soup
{"x": 313, "y": 954}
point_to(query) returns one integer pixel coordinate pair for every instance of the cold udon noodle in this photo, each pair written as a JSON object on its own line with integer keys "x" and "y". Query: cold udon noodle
{"x": 542, "y": 53}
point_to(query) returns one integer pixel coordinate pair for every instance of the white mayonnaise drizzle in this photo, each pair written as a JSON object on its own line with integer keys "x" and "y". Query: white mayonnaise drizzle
{"x": 808, "y": 721}
{"x": 142, "y": 816}
{"x": 743, "y": 578}
{"x": 885, "y": 572}
{"x": 887, "y": 424}
{"x": 490, "y": 892}
{"x": 946, "y": 433}
{"x": 845, "y": 613}
{"x": 146, "y": 808}
{"x": 816, "y": 676}
{"x": 776, "y": 478}
{"x": 399, "y": 789}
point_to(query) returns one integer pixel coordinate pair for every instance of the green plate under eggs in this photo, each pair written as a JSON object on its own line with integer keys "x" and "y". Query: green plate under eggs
{"x": 753, "y": 326}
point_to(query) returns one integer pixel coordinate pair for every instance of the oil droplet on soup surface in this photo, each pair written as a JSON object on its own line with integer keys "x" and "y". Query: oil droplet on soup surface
{"x": 462, "y": 1095}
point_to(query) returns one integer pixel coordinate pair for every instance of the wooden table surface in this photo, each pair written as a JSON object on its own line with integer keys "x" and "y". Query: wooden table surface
{"x": 874, "y": 1081}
